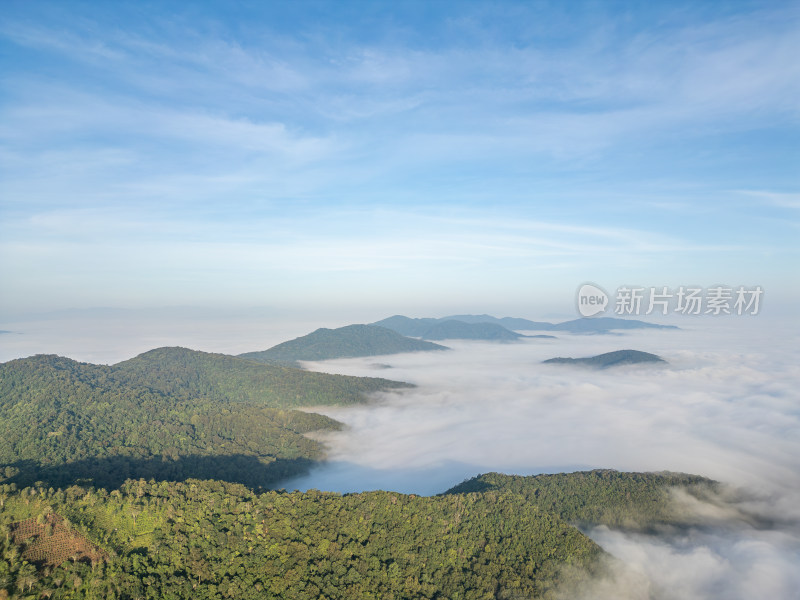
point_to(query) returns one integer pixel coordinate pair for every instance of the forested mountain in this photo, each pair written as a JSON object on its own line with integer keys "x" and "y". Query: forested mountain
{"x": 160, "y": 445}
{"x": 610, "y": 359}
{"x": 181, "y": 373}
{"x": 345, "y": 342}
{"x": 493, "y": 537}
{"x": 171, "y": 413}
{"x": 448, "y": 329}
{"x": 638, "y": 501}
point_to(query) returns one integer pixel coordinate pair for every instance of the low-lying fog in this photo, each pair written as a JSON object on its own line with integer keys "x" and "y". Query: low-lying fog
{"x": 726, "y": 406}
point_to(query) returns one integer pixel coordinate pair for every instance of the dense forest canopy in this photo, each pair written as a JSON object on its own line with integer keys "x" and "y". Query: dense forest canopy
{"x": 492, "y": 537}
{"x": 170, "y": 413}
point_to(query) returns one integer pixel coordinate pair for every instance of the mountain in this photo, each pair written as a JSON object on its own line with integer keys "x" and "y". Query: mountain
{"x": 458, "y": 330}
{"x": 513, "y": 323}
{"x": 583, "y": 325}
{"x": 406, "y": 325}
{"x": 184, "y": 373}
{"x": 448, "y": 329}
{"x": 639, "y": 501}
{"x": 610, "y": 359}
{"x": 170, "y": 413}
{"x": 495, "y": 536}
{"x": 425, "y": 328}
{"x": 344, "y": 342}
{"x": 604, "y": 325}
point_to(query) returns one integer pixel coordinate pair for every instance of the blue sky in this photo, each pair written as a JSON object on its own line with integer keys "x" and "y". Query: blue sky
{"x": 396, "y": 156}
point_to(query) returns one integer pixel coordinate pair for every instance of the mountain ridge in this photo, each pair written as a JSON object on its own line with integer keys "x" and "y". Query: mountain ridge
{"x": 493, "y": 536}
{"x": 418, "y": 327}
{"x": 166, "y": 413}
{"x": 444, "y": 329}
{"x": 350, "y": 341}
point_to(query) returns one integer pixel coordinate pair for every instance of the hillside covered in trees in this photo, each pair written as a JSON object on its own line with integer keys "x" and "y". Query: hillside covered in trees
{"x": 494, "y": 536}
{"x": 638, "y": 501}
{"x": 170, "y": 413}
{"x": 345, "y": 342}
{"x": 149, "y": 479}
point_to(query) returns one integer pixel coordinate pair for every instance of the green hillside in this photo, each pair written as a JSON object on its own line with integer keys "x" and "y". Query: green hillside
{"x": 495, "y": 536}
{"x": 345, "y": 342}
{"x": 599, "y": 497}
{"x": 184, "y": 373}
{"x": 610, "y": 359}
{"x": 170, "y": 413}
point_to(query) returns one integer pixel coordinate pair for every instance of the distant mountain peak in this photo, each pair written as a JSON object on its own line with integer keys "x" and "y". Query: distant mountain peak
{"x": 448, "y": 328}
{"x": 610, "y": 359}
{"x": 422, "y": 327}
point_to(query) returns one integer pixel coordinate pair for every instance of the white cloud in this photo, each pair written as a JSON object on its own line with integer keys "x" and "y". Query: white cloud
{"x": 773, "y": 198}
{"x": 725, "y": 407}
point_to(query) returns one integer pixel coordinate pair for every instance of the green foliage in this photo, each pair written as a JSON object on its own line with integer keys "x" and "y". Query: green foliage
{"x": 600, "y": 497}
{"x": 206, "y": 539}
{"x": 345, "y": 342}
{"x": 494, "y": 536}
{"x": 182, "y": 373}
{"x": 170, "y": 413}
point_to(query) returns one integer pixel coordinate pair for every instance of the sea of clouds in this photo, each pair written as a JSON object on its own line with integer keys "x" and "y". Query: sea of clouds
{"x": 727, "y": 406}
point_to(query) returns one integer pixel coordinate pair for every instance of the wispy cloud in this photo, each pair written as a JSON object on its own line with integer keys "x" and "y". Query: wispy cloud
{"x": 779, "y": 199}
{"x": 597, "y": 120}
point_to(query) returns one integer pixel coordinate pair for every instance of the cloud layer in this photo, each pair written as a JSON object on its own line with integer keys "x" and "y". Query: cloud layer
{"x": 725, "y": 407}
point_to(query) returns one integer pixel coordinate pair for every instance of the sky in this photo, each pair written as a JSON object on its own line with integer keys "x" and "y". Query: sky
{"x": 385, "y": 157}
